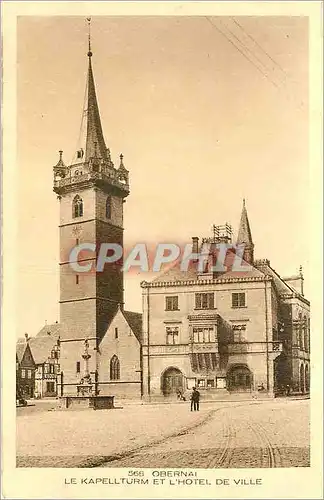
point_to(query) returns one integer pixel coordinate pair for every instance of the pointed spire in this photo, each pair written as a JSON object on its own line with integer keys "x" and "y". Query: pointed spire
{"x": 60, "y": 163}
{"x": 245, "y": 236}
{"x": 95, "y": 143}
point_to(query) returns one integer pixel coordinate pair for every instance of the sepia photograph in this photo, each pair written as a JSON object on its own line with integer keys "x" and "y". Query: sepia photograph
{"x": 163, "y": 312}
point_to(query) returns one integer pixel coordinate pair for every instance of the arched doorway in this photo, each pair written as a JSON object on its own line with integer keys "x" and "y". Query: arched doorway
{"x": 301, "y": 378}
{"x": 307, "y": 378}
{"x": 172, "y": 381}
{"x": 239, "y": 378}
{"x": 281, "y": 372}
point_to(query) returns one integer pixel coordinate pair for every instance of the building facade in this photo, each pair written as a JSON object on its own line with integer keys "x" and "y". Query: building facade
{"x": 45, "y": 347}
{"x": 25, "y": 369}
{"x": 225, "y": 331}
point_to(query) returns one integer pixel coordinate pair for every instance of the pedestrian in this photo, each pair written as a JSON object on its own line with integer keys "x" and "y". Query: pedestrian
{"x": 195, "y": 397}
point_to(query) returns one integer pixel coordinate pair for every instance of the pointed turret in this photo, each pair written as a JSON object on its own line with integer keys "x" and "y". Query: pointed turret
{"x": 245, "y": 236}
{"x": 95, "y": 142}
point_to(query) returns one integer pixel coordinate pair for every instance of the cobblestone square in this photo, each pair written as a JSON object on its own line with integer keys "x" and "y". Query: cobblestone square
{"x": 272, "y": 433}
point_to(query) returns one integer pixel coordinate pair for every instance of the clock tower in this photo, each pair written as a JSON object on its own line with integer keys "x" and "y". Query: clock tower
{"x": 91, "y": 192}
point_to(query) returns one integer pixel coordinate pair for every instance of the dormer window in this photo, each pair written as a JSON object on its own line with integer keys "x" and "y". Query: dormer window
{"x": 77, "y": 207}
{"x": 108, "y": 207}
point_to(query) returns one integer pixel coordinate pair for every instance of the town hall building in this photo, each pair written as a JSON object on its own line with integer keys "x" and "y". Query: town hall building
{"x": 224, "y": 332}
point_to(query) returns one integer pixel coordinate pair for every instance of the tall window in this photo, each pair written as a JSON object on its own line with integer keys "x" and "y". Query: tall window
{"x": 114, "y": 368}
{"x": 108, "y": 207}
{"x": 203, "y": 334}
{"x": 171, "y": 303}
{"x": 239, "y": 333}
{"x": 238, "y": 300}
{"x": 204, "y": 301}
{"x": 77, "y": 207}
{"x": 116, "y": 333}
{"x": 172, "y": 335}
{"x": 29, "y": 374}
{"x": 78, "y": 366}
{"x": 23, "y": 373}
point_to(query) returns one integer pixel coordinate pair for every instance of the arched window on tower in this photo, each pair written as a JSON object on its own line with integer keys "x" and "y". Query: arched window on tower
{"x": 77, "y": 207}
{"x": 114, "y": 368}
{"x": 108, "y": 207}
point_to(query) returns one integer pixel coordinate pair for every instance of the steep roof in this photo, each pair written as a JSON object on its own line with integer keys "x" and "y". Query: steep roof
{"x": 50, "y": 330}
{"x": 244, "y": 233}
{"x": 134, "y": 320}
{"x": 281, "y": 287}
{"x": 20, "y": 350}
{"x": 42, "y": 344}
{"x": 174, "y": 273}
{"x": 95, "y": 143}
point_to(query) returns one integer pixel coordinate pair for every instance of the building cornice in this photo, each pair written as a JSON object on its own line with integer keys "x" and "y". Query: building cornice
{"x": 162, "y": 284}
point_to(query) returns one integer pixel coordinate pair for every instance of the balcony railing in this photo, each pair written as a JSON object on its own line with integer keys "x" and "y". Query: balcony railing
{"x": 90, "y": 176}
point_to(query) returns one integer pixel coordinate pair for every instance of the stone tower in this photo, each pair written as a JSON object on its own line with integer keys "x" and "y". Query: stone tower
{"x": 91, "y": 192}
{"x": 245, "y": 236}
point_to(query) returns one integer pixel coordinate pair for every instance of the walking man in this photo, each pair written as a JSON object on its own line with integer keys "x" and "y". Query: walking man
{"x": 195, "y": 397}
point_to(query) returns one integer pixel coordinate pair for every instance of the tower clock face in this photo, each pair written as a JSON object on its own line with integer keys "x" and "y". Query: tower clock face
{"x": 76, "y": 231}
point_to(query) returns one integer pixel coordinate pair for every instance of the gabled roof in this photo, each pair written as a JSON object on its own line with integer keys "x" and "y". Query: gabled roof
{"x": 174, "y": 273}
{"x": 281, "y": 287}
{"x": 134, "y": 320}
{"x": 42, "y": 344}
{"x": 41, "y": 348}
{"x": 20, "y": 350}
{"x": 50, "y": 330}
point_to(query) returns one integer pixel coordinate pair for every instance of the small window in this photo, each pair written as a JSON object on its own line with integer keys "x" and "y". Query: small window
{"x": 171, "y": 303}
{"x": 201, "y": 382}
{"x": 210, "y": 383}
{"x": 78, "y": 366}
{"x": 114, "y": 368}
{"x": 108, "y": 207}
{"x": 76, "y": 279}
{"x": 204, "y": 300}
{"x": 77, "y": 242}
{"x": 23, "y": 373}
{"x": 238, "y": 300}
{"x": 172, "y": 335}
{"x": 77, "y": 207}
{"x": 116, "y": 333}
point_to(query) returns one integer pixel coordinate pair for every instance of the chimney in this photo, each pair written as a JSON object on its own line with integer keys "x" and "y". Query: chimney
{"x": 195, "y": 243}
{"x": 26, "y": 337}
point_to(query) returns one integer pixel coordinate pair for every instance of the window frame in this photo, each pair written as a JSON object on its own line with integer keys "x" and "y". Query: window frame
{"x": 173, "y": 302}
{"x": 77, "y": 207}
{"x": 108, "y": 210}
{"x": 237, "y": 304}
{"x": 172, "y": 332}
{"x": 205, "y": 300}
{"x": 114, "y": 368}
